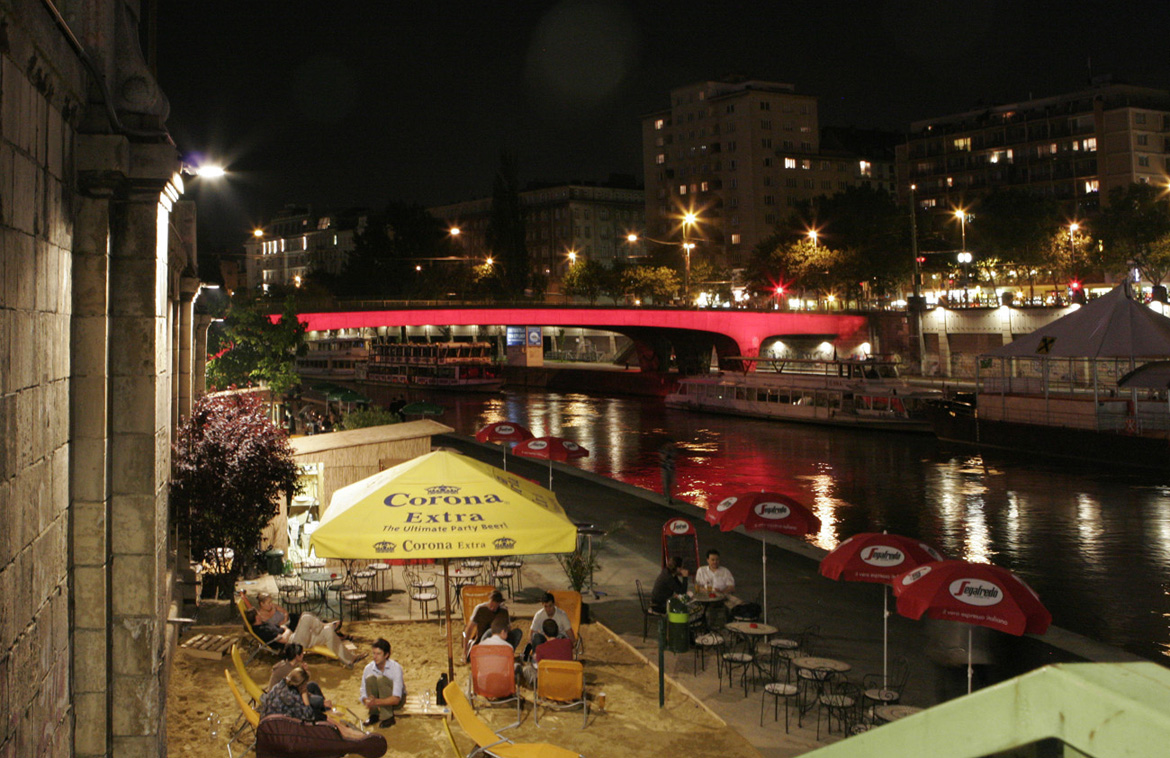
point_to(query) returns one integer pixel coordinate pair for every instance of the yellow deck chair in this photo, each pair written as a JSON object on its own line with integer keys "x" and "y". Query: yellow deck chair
{"x": 570, "y": 602}
{"x": 251, "y": 717}
{"x": 243, "y": 607}
{"x": 487, "y": 742}
{"x": 560, "y": 685}
{"x": 254, "y": 691}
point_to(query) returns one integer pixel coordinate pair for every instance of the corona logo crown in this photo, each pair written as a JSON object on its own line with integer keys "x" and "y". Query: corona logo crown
{"x": 504, "y": 543}
{"x": 442, "y": 489}
{"x": 385, "y": 547}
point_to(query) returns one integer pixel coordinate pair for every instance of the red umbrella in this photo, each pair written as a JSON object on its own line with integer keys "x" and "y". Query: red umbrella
{"x": 874, "y": 557}
{"x": 550, "y": 449}
{"x": 506, "y": 432}
{"x": 973, "y": 593}
{"x": 769, "y": 511}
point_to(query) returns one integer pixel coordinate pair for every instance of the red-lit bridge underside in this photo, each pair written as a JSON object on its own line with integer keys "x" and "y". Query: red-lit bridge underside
{"x": 656, "y": 332}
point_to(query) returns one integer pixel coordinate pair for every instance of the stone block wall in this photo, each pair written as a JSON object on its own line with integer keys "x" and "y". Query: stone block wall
{"x": 37, "y": 96}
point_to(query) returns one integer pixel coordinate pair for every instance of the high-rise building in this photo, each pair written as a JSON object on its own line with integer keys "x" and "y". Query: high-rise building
{"x": 1074, "y": 147}
{"x": 287, "y": 248}
{"x": 587, "y": 220}
{"x": 742, "y": 155}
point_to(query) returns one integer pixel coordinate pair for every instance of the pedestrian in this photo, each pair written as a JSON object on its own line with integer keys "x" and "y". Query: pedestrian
{"x": 667, "y": 461}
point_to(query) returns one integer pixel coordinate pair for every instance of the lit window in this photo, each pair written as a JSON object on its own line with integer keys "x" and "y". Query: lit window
{"x": 1091, "y": 186}
{"x": 789, "y": 163}
{"x": 682, "y": 189}
{"x": 659, "y": 124}
{"x": 735, "y": 238}
{"x": 929, "y": 202}
{"x": 950, "y": 181}
{"x": 1090, "y": 144}
{"x": 962, "y": 143}
{"x": 806, "y": 164}
{"x": 704, "y": 187}
{"x": 1052, "y": 148}
{"x": 865, "y": 167}
{"x": 660, "y": 158}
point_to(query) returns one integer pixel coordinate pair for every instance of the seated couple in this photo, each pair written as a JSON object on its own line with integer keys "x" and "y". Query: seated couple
{"x": 273, "y": 624}
{"x": 295, "y": 696}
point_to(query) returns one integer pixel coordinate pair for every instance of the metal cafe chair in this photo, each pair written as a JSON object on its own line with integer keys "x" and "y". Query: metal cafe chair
{"x": 647, "y": 611}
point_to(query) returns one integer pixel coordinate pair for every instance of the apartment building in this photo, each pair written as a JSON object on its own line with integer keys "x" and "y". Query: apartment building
{"x": 561, "y": 222}
{"x": 1074, "y": 147}
{"x": 742, "y": 155}
{"x": 285, "y": 250}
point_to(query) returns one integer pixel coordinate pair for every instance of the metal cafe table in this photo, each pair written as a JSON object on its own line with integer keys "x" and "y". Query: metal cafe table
{"x": 889, "y": 713}
{"x": 714, "y": 608}
{"x": 753, "y": 631}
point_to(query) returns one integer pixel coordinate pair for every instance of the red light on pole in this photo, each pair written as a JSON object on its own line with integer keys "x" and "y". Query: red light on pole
{"x": 921, "y": 259}
{"x": 1074, "y": 284}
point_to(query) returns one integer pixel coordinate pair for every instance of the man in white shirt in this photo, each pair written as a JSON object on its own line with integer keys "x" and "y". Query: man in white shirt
{"x": 716, "y": 578}
{"x": 549, "y": 610}
{"x": 382, "y": 685}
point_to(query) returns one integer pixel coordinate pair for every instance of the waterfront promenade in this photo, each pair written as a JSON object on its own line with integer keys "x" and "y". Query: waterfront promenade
{"x": 848, "y": 614}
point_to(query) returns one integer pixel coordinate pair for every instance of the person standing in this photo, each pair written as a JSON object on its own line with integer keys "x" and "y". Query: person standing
{"x": 383, "y": 687}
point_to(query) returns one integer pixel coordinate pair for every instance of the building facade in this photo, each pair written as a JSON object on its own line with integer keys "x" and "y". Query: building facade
{"x": 1074, "y": 147}
{"x": 97, "y": 338}
{"x": 742, "y": 155}
{"x": 285, "y": 250}
{"x": 592, "y": 221}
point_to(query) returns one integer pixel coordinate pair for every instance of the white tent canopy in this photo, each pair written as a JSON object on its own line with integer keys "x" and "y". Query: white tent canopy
{"x": 1112, "y": 326}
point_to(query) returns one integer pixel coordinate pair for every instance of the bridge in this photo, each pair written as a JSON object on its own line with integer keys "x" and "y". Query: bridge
{"x": 656, "y": 332}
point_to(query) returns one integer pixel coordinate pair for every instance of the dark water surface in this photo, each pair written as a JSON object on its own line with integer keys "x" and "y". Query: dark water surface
{"x": 1093, "y": 542}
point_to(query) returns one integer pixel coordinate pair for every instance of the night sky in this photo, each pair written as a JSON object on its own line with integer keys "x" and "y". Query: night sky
{"x": 358, "y": 103}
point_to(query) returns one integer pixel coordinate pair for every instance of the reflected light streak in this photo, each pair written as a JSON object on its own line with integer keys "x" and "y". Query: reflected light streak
{"x": 825, "y": 506}
{"x": 1158, "y": 518}
{"x": 1088, "y": 520}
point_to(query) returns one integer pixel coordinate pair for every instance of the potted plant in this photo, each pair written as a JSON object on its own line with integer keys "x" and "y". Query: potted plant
{"x": 581, "y": 564}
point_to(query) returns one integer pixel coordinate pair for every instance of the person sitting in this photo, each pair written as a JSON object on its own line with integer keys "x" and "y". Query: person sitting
{"x": 482, "y": 619}
{"x": 293, "y": 657}
{"x": 268, "y": 612}
{"x": 383, "y": 686}
{"x": 498, "y": 634}
{"x": 291, "y": 697}
{"x": 716, "y": 578}
{"x": 554, "y": 648}
{"x": 671, "y": 581}
{"x": 310, "y": 632}
{"x": 550, "y": 611}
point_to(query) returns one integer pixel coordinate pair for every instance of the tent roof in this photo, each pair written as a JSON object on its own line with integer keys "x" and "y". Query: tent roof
{"x": 1112, "y": 326}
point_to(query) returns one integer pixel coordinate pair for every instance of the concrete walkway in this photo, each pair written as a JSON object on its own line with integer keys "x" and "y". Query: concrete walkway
{"x": 848, "y": 615}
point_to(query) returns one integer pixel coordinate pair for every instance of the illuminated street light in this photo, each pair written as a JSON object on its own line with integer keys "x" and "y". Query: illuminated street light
{"x": 572, "y": 257}
{"x": 812, "y": 235}
{"x": 455, "y": 231}
{"x": 257, "y": 233}
{"x": 962, "y": 215}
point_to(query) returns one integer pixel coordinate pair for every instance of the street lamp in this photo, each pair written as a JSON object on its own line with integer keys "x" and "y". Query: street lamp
{"x": 687, "y": 248}
{"x": 454, "y": 231}
{"x": 812, "y": 235}
{"x": 962, "y": 215}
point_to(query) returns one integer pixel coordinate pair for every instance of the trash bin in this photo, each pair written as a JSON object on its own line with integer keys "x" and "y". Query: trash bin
{"x": 275, "y": 560}
{"x": 678, "y": 625}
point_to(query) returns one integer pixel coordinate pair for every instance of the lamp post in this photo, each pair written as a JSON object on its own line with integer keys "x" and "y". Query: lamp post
{"x": 916, "y": 302}
{"x": 964, "y": 256}
{"x": 812, "y": 235}
{"x": 689, "y": 219}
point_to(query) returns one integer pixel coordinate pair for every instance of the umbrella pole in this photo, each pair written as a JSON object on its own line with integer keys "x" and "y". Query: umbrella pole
{"x": 885, "y": 635}
{"x": 550, "y": 473}
{"x": 450, "y": 648}
{"x": 968, "y": 659}
{"x": 505, "y": 455}
{"x": 764, "y": 563}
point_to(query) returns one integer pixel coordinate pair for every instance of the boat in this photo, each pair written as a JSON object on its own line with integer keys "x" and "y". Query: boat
{"x": 1089, "y": 386}
{"x": 467, "y": 366}
{"x": 333, "y": 358}
{"x": 862, "y": 394}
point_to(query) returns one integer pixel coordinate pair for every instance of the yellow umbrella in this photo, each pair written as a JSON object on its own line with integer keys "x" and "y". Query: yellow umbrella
{"x": 443, "y": 505}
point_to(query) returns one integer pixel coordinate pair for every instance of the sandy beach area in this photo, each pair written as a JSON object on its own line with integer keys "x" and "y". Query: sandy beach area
{"x": 201, "y": 710}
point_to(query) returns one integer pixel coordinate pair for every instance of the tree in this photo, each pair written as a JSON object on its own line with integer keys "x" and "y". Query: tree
{"x": 258, "y": 349}
{"x": 387, "y": 250}
{"x": 584, "y": 279}
{"x": 1135, "y": 227}
{"x": 230, "y": 465}
{"x": 505, "y": 232}
{"x": 658, "y": 282}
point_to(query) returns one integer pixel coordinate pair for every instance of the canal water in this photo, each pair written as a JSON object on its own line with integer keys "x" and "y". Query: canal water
{"x": 1093, "y": 542}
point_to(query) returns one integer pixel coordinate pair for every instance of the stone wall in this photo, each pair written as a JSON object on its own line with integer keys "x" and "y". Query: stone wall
{"x": 92, "y": 300}
{"x": 38, "y": 96}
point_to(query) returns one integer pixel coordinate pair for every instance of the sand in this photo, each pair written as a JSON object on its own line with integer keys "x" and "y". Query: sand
{"x": 201, "y": 710}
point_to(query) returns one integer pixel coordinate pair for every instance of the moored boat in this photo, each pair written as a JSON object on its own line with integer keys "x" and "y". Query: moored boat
{"x": 467, "y": 366}
{"x": 867, "y": 394}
